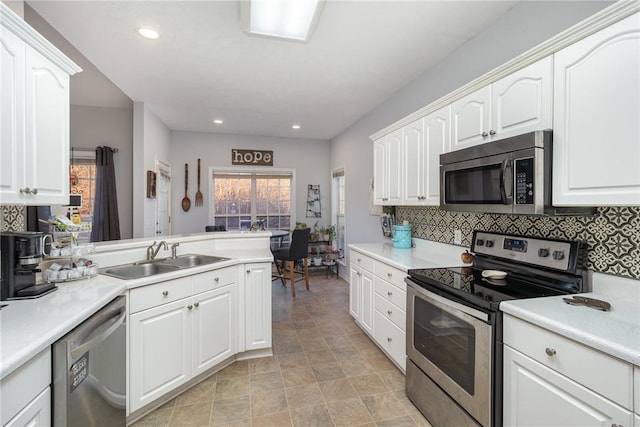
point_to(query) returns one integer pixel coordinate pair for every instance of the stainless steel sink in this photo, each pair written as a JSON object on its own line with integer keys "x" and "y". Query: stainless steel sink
{"x": 185, "y": 261}
{"x": 136, "y": 271}
{"x": 165, "y": 265}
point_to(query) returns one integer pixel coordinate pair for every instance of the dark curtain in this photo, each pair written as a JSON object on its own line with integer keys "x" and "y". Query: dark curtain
{"x": 106, "y": 225}
{"x": 36, "y": 213}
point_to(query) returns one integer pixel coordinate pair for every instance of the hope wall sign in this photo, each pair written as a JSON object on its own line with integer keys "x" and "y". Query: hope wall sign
{"x": 251, "y": 157}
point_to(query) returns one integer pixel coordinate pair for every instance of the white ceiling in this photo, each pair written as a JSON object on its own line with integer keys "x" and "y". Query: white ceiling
{"x": 204, "y": 66}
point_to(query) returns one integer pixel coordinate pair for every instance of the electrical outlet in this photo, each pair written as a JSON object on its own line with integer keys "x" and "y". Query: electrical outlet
{"x": 457, "y": 237}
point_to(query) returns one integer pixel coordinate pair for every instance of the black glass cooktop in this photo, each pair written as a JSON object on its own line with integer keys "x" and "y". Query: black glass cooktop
{"x": 468, "y": 284}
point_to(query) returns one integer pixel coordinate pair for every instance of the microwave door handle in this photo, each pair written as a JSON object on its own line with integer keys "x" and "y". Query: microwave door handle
{"x": 506, "y": 199}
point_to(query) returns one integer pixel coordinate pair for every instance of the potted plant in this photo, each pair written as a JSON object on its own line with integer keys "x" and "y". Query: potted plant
{"x": 314, "y": 236}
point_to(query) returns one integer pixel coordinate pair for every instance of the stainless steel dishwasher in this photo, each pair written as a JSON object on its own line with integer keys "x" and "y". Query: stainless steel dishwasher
{"x": 89, "y": 371}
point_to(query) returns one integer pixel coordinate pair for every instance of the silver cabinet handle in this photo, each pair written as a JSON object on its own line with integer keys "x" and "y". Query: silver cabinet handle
{"x": 389, "y": 293}
{"x": 492, "y": 132}
{"x": 389, "y": 339}
{"x": 389, "y": 312}
{"x": 550, "y": 351}
{"x": 190, "y": 307}
{"x": 196, "y": 304}
{"x": 165, "y": 293}
{"x": 485, "y": 134}
{"x": 389, "y": 275}
{"x": 28, "y": 190}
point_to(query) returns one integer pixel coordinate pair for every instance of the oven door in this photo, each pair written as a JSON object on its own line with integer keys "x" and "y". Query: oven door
{"x": 452, "y": 344}
{"x": 484, "y": 184}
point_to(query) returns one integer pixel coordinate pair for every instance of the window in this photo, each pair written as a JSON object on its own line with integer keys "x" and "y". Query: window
{"x": 338, "y": 197}
{"x": 82, "y": 180}
{"x": 241, "y": 199}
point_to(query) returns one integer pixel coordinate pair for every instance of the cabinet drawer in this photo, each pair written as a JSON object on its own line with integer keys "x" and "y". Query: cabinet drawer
{"x": 390, "y": 338}
{"x": 213, "y": 279}
{"x": 391, "y": 274}
{"x": 391, "y": 293}
{"x": 390, "y": 311}
{"x": 606, "y": 375}
{"x": 362, "y": 260}
{"x": 160, "y": 293}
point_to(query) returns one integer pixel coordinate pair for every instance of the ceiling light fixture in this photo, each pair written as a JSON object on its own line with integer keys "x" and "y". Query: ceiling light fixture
{"x": 296, "y": 126}
{"x": 148, "y": 33}
{"x": 218, "y": 121}
{"x": 290, "y": 19}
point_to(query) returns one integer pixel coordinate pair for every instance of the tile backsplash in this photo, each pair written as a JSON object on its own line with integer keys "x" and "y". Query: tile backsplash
{"x": 13, "y": 218}
{"x": 613, "y": 234}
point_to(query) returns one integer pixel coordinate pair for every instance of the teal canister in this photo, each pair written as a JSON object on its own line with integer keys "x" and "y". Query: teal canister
{"x": 402, "y": 236}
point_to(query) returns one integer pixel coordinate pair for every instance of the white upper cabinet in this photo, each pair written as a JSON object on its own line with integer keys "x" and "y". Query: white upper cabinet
{"x": 516, "y": 104}
{"x": 425, "y": 140}
{"x": 471, "y": 119}
{"x": 34, "y": 149}
{"x": 388, "y": 169}
{"x": 596, "y": 154}
{"x": 522, "y": 101}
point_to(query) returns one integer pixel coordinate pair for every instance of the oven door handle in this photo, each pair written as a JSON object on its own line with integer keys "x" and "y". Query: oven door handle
{"x": 447, "y": 303}
{"x": 506, "y": 199}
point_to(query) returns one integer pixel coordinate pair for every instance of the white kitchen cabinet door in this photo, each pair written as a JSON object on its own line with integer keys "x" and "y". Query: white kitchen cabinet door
{"x": 522, "y": 101}
{"x": 257, "y": 290}
{"x": 215, "y": 335}
{"x": 415, "y": 160}
{"x": 12, "y": 55}
{"x": 159, "y": 351}
{"x": 388, "y": 170}
{"x": 36, "y": 414}
{"x": 535, "y": 395}
{"x": 596, "y": 149}
{"x": 471, "y": 119}
{"x": 355, "y": 291}
{"x": 437, "y": 135}
{"x": 366, "y": 294}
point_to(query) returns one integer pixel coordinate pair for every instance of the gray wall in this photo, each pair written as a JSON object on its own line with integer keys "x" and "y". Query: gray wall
{"x": 308, "y": 158}
{"x": 524, "y": 26}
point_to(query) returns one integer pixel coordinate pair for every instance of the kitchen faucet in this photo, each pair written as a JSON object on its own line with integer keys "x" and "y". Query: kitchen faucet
{"x": 174, "y": 254}
{"x": 151, "y": 253}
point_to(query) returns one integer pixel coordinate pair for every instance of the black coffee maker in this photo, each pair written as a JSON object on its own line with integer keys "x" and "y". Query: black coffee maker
{"x": 21, "y": 254}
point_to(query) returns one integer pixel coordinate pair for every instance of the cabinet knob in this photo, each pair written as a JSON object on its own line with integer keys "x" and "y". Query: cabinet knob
{"x": 389, "y": 293}
{"x": 248, "y": 271}
{"x": 359, "y": 259}
{"x": 389, "y": 275}
{"x": 196, "y": 304}
{"x": 217, "y": 279}
{"x": 165, "y": 293}
{"x": 389, "y": 339}
{"x": 190, "y": 307}
{"x": 492, "y": 132}
{"x": 550, "y": 351}
{"x": 485, "y": 134}
{"x": 389, "y": 312}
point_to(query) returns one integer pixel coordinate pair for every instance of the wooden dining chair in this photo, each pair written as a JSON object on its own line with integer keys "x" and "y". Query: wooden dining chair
{"x": 289, "y": 256}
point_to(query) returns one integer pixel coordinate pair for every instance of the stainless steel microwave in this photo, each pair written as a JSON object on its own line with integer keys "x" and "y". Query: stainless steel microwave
{"x": 508, "y": 176}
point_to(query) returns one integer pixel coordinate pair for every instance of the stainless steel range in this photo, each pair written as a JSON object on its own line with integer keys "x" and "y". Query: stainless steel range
{"x": 454, "y": 325}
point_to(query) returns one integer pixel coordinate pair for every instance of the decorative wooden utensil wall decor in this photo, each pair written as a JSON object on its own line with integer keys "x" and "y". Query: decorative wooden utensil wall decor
{"x": 198, "y": 193}
{"x": 186, "y": 202}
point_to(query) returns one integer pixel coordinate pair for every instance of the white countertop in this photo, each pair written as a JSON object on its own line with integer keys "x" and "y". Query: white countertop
{"x": 615, "y": 332}
{"x": 29, "y": 326}
{"x": 425, "y": 254}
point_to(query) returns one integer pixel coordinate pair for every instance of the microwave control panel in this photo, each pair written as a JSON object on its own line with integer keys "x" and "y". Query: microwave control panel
{"x": 524, "y": 190}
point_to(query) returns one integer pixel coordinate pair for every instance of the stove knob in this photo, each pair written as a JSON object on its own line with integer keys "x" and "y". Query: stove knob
{"x": 543, "y": 252}
{"x": 558, "y": 255}
{"x": 479, "y": 242}
{"x": 489, "y": 243}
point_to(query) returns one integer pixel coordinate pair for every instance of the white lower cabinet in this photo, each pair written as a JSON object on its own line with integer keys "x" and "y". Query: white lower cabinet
{"x": 172, "y": 342}
{"x": 25, "y": 394}
{"x": 377, "y": 301}
{"x": 257, "y": 306}
{"x": 550, "y": 380}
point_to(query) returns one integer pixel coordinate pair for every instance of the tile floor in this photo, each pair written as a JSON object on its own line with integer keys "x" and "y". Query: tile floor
{"x": 324, "y": 372}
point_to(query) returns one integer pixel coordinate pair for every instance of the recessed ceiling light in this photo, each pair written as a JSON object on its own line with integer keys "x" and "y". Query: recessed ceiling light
{"x": 218, "y": 121}
{"x": 295, "y": 126}
{"x": 148, "y": 33}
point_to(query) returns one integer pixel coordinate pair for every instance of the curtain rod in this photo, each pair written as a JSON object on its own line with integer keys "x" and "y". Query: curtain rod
{"x": 115, "y": 149}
